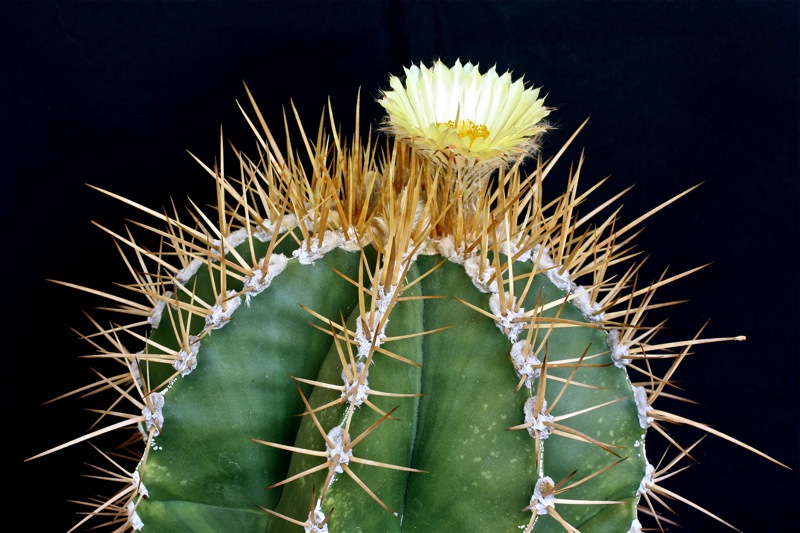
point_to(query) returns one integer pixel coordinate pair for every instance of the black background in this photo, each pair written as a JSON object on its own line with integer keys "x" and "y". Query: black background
{"x": 114, "y": 94}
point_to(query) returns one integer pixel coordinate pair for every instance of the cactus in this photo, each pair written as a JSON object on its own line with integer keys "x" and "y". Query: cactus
{"x": 397, "y": 336}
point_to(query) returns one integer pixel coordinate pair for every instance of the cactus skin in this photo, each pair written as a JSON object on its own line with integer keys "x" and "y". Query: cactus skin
{"x": 457, "y": 431}
{"x": 362, "y": 232}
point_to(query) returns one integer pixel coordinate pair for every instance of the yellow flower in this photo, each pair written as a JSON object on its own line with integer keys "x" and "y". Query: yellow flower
{"x": 483, "y": 119}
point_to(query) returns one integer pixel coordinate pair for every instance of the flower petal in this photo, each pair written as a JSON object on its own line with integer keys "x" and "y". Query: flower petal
{"x": 486, "y": 119}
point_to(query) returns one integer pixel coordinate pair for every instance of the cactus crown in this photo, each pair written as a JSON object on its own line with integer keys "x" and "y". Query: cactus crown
{"x": 386, "y": 253}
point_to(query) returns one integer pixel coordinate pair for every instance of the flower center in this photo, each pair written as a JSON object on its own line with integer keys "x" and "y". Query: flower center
{"x": 467, "y": 128}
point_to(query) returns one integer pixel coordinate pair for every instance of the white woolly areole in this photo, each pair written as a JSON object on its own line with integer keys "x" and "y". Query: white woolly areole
{"x": 525, "y": 365}
{"x": 511, "y": 249}
{"x": 154, "y": 320}
{"x": 315, "y": 518}
{"x": 337, "y": 437}
{"x": 541, "y": 502}
{"x": 234, "y": 239}
{"x": 446, "y": 247}
{"x": 385, "y": 298}
{"x": 264, "y": 235}
{"x": 221, "y": 313}
{"x": 289, "y": 222}
{"x": 505, "y": 321}
{"x": 537, "y": 423}
{"x": 542, "y": 257}
{"x": 472, "y": 266}
{"x": 589, "y": 309}
{"x": 187, "y": 273}
{"x": 640, "y": 396}
{"x": 636, "y": 527}
{"x": 152, "y": 412}
{"x": 646, "y": 480}
{"x": 188, "y": 360}
{"x": 267, "y": 227}
{"x": 583, "y": 302}
{"x": 355, "y": 393}
{"x": 366, "y": 327}
{"x": 545, "y": 262}
{"x": 231, "y": 241}
{"x": 133, "y": 517}
{"x": 261, "y": 278}
{"x": 619, "y": 352}
{"x": 311, "y": 250}
{"x": 349, "y": 241}
{"x": 136, "y": 481}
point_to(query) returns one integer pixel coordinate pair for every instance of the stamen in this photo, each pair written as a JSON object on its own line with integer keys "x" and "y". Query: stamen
{"x": 467, "y": 128}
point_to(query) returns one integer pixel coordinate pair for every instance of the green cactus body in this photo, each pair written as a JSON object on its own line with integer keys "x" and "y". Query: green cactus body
{"x": 462, "y": 398}
{"x": 388, "y": 341}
